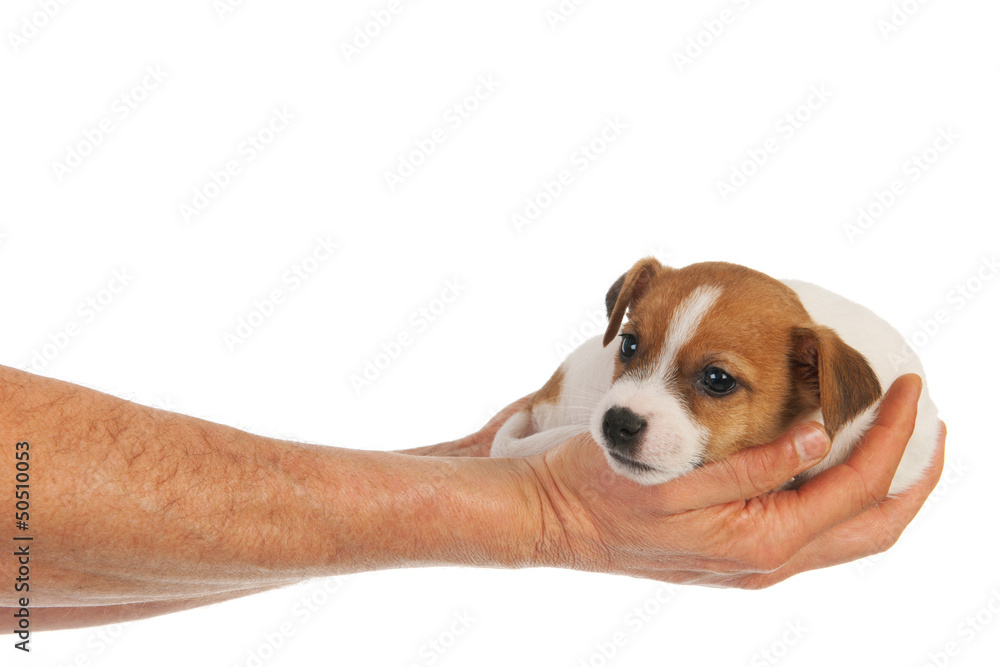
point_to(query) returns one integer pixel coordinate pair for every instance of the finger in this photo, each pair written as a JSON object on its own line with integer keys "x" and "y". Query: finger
{"x": 846, "y": 490}
{"x": 873, "y": 531}
{"x": 878, "y": 527}
{"x": 476, "y": 445}
{"x": 480, "y": 442}
{"x": 750, "y": 472}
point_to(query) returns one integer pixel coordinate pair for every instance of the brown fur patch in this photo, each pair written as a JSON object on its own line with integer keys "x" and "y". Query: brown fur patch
{"x": 752, "y": 333}
{"x": 628, "y": 289}
{"x": 549, "y": 393}
{"x": 838, "y": 376}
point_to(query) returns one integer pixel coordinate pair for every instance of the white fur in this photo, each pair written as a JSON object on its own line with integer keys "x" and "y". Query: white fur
{"x": 674, "y": 442}
{"x": 587, "y": 373}
{"x": 684, "y": 324}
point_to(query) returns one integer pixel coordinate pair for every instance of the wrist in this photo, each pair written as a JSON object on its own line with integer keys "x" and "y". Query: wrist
{"x": 563, "y": 534}
{"x": 488, "y": 513}
{"x": 386, "y": 510}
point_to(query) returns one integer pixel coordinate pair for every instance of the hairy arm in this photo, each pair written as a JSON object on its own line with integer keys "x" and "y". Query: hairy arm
{"x": 137, "y": 511}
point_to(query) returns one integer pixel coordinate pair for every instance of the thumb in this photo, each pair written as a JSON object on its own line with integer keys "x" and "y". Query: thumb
{"x": 750, "y": 472}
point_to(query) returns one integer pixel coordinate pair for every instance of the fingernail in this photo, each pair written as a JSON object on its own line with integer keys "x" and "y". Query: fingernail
{"x": 810, "y": 442}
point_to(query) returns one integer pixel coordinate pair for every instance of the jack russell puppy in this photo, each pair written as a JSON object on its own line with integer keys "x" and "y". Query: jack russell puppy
{"x": 714, "y": 358}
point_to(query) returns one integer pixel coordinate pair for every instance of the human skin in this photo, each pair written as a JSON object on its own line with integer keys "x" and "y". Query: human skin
{"x": 137, "y": 512}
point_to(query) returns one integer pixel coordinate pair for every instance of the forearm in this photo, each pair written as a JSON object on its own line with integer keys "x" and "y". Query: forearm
{"x": 133, "y": 504}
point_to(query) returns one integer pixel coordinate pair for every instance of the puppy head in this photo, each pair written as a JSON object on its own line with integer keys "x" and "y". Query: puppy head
{"x": 713, "y": 358}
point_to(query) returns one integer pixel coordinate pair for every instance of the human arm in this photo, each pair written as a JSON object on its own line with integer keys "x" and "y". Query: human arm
{"x": 137, "y": 511}
{"x": 141, "y": 511}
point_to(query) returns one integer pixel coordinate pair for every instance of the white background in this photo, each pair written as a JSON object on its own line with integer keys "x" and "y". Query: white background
{"x": 527, "y": 291}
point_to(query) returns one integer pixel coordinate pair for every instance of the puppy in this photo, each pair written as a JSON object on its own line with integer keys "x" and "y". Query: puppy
{"x": 714, "y": 358}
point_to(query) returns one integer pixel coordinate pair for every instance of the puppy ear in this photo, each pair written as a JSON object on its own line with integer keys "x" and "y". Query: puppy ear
{"x": 626, "y": 291}
{"x": 833, "y": 375}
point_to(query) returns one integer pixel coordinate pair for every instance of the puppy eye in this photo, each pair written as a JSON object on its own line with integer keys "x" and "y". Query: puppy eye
{"x": 718, "y": 381}
{"x": 629, "y": 345}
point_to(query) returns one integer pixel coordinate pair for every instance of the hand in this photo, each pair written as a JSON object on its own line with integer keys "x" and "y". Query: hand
{"x": 717, "y": 525}
{"x": 477, "y": 444}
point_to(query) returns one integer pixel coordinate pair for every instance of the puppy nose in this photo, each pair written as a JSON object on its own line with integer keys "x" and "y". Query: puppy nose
{"x": 623, "y": 429}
